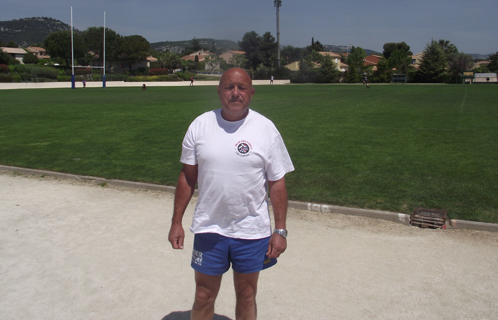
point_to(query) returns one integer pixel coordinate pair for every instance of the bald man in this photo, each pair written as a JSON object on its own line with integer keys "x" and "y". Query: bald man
{"x": 237, "y": 157}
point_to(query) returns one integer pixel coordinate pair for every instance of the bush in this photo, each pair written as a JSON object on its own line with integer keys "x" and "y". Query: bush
{"x": 4, "y": 58}
{"x": 173, "y": 77}
{"x": 30, "y": 58}
{"x": 16, "y": 78}
{"x": 44, "y": 72}
{"x": 21, "y": 68}
{"x": 185, "y": 76}
{"x": 42, "y": 62}
{"x": 63, "y": 78}
{"x": 4, "y": 68}
{"x": 5, "y": 78}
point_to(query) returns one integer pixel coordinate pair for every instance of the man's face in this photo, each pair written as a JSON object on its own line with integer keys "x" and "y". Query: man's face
{"x": 235, "y": 91}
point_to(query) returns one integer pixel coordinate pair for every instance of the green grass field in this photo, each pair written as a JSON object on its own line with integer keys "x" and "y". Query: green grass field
{"x": 393, "y": 147}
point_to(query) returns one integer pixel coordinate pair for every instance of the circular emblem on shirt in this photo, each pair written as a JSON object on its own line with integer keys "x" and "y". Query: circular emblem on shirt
{"x": 243, "y": 148}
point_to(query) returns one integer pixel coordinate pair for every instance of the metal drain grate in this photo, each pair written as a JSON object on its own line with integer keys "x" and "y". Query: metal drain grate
{"x": 428, "y": 218}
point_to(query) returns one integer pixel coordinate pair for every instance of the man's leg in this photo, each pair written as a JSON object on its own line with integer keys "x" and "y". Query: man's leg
{"x": 206, "y": 291}
{"x": 246, "y": 285}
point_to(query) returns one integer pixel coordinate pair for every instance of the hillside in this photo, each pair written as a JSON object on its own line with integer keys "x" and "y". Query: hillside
{"x": 178, "y": 46}
{"x": 344, "y": 49}
{"x": 30, "y": 30}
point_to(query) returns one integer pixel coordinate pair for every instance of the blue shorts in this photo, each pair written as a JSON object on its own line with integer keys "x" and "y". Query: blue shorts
{"x": 213, "y": 254}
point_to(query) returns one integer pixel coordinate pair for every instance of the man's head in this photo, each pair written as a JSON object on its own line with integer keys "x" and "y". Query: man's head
{"x": 235, "y": 91}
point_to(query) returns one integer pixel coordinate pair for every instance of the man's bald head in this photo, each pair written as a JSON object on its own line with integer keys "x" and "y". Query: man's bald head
{"x": 235, "y": 91}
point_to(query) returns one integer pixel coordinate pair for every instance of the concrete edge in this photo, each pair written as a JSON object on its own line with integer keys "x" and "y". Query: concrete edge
{"x": 114, "y": 84}
{"x": 402, "y": 218}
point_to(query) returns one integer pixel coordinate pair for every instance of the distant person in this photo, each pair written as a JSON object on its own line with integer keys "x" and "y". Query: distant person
{"x": 144, "y": 87}
{"x": 192, "y": 80}
{"x": 84, "y": 83}
{"x": 236, "y": 157}
{"x": 271, "y": 80}
{"x": 365, "y": 82}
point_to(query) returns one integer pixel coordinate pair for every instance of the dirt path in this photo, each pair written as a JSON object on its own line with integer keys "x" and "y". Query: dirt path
{"x": 76, "y": 250}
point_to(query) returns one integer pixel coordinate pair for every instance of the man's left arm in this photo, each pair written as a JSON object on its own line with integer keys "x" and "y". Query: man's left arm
{"x": 278, "y": 196}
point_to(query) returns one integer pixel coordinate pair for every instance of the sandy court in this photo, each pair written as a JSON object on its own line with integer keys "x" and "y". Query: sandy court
{"x": 77, "y": 250}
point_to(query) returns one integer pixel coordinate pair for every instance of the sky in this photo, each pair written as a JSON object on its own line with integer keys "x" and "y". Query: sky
{"x": 469, "y": 24}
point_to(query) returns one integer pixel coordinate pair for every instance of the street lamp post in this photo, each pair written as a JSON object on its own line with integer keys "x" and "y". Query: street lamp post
{"x": 277, "y": 4}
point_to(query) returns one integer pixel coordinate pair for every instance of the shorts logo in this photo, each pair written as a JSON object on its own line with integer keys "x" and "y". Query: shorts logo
{"x": 243, "y": 148}
{"x": 197, "y": 257}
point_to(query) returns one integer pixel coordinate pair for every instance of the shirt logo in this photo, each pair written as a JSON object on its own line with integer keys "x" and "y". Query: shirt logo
{"x": 243, "y": 148}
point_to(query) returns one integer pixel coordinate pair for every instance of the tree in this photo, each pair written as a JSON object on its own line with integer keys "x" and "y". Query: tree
{"x": 30, "y": 58}
{"x": 290, "y": 54}
{"x": 328, "y": 71}
{"x": 58, "y": 45}
{"x": 4, "y": 58}
{"x": 94, "y": 41}
{"x": 355, "y": 61}
{"x": 169, "y": 60}
{"x": 213, "y": 62}
{"x": 398, "y": 56}
{"x": 251, "y": 44}
{"x": 459, "y": 62}
{"x": 268, "y": 50}
{"x": 315, "y": 57}
{"x": 237, "y": 60}
{"x": 317, "y": 46}
{"x": 194, "y": 47}
{"x": 356, "y": 57}
{"x": 493, "y": 65}
{"x": 307, "y": 71}
{"x": 133, "y": 49}
{"x": 433, "y": 64}
{"x": 187, "y": 64}
{"x": 383, "y": 73}
{"x": 447, "y": 47}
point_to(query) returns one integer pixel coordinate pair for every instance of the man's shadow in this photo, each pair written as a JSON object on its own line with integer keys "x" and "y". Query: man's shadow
{"x": 185, "y": 315}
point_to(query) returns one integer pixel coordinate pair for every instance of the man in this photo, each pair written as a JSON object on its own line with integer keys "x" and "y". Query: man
{"x": 235, "y": 155}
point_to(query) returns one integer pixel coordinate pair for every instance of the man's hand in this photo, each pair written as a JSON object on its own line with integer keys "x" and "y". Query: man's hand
{"x": 277, "y": 246}
{"x": 176, "y": 236}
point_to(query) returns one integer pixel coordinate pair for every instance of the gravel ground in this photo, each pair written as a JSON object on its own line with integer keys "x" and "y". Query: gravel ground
{"x": 78, "y": 250}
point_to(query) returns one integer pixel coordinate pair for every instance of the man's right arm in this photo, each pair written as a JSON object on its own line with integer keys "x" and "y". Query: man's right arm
{"x": 184, "y": 190}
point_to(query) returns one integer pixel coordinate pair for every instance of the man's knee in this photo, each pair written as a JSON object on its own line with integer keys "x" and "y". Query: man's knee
{"x": 246, "y": 296}
{"x": 204, "y": 297}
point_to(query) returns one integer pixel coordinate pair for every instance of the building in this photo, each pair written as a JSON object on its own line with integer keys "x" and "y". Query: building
{"x": 229, "y": 54}
{"x": 201, "y": 56}
{"x": 16, "y": 53}
{"x": 39, "y": 52}
{"x": 371, "y": 60}
{"x": 294, "y": 66}
{"x": 336, "y": 58}
{"x": 417, "y": 60}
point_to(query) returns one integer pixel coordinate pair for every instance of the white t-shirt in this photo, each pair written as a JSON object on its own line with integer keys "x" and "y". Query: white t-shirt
{"x": 235, "y": 160}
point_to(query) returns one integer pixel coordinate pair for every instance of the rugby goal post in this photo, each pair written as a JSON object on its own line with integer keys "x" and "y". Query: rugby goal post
{"x": 73, "y": 77}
